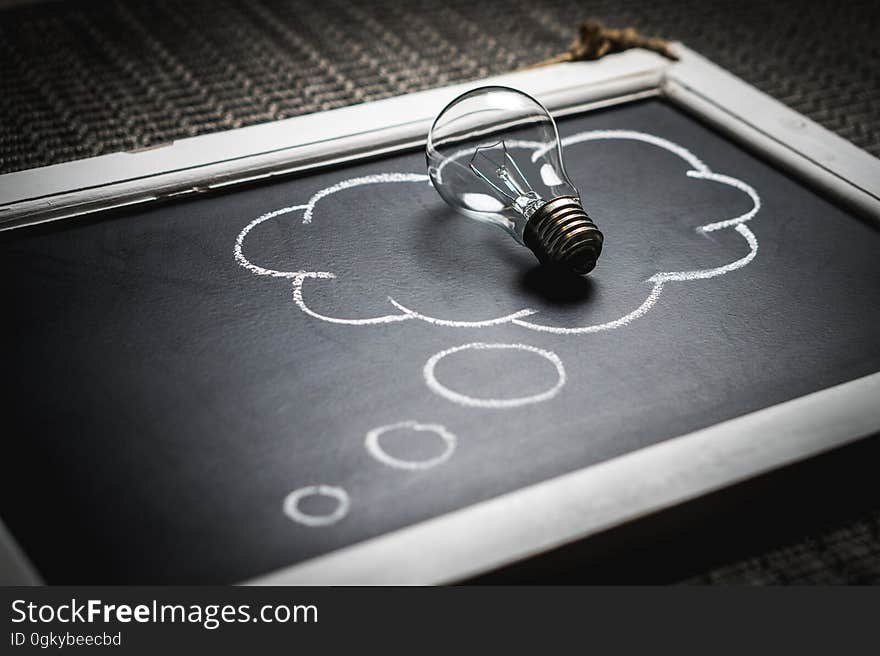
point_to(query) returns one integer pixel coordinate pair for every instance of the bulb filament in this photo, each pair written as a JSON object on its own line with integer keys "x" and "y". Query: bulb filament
{"x": 513, "y": 185}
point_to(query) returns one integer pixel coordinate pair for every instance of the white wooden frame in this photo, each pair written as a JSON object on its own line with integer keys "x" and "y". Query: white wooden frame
{"x": 529, "y": 521}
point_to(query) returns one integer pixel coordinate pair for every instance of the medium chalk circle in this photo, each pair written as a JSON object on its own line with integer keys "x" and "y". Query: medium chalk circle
{"x": 438, "y": 388}
{"x": 292, "y": 501}
{"x": 375, "y": 448}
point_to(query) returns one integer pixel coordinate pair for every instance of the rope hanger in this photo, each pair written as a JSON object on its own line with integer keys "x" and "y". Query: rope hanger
{"x": 594, "y": 41}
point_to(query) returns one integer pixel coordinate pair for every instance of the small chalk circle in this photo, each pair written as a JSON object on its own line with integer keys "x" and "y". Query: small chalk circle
{"x": 292, "y": 501}
{"x": 375, "y": 449}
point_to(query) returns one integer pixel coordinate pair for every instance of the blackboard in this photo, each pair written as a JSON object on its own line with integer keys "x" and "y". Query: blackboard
{"x": 175, "y": 373}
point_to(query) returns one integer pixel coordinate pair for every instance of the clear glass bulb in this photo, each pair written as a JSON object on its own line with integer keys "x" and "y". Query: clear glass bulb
{"x": 494, "y": 155}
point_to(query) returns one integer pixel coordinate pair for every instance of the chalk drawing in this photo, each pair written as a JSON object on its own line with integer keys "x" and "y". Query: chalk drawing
{"x": 462, "y": 399}
{"x": 460, "y": 324}
{"x": 357, "y": 182}
{"x": 658, "y": 279}
{"x": 298, "y": 299}
{"x": 374, "y": 447}
{"x": 628, "y": 135}
{"x": 292, "y": 501}
{"x": 238, "y": 251}
{"x": 524, "y": 317}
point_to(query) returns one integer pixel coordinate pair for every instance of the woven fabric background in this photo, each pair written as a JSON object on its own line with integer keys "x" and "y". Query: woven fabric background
{"x": 83, "y": 78}
{"x": 847, "y": 554}
{"x": 80, "y": 78}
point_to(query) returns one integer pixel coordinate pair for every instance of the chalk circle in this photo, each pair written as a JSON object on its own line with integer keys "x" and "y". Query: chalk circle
{"x": 375, "y": 449}
{"x": 438, "y": 388}
{"x": 292, "y": 501}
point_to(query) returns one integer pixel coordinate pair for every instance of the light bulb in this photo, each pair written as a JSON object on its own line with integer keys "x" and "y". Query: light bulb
{"x": 494, "y": 155}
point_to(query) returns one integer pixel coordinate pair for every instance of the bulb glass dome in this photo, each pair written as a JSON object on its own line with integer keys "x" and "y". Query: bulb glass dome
{"x": 494, "y": 154}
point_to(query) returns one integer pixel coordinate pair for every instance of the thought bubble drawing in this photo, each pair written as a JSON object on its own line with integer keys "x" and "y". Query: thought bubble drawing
{"x": 292, "y": 502}
{"x": 373, "y": 444}
{"x": 525, "y": 317}
{"x": 469, "y": 401}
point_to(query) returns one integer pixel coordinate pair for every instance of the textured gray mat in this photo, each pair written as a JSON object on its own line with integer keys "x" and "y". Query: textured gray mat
{"x": 848, "y": 554}
{"x": 84, "y": 78}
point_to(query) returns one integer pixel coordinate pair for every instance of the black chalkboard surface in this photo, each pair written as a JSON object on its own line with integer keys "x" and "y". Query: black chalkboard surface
{"x": 173, "y": 375}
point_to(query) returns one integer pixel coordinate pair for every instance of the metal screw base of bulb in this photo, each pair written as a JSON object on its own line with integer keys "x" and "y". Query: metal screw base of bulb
{"x": 562, "y": 234}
